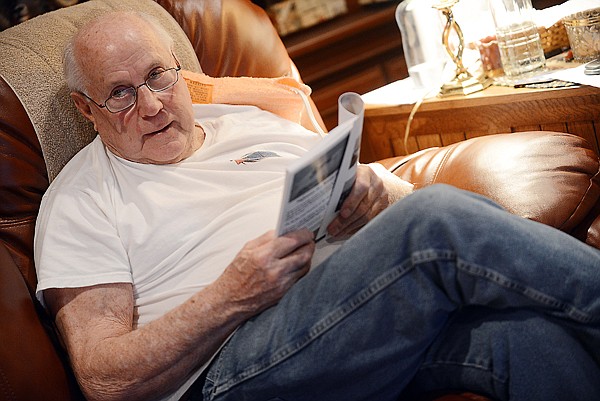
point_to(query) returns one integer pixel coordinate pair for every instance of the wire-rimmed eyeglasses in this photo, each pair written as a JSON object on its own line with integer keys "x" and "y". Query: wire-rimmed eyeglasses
{"x": 123, "y": 98}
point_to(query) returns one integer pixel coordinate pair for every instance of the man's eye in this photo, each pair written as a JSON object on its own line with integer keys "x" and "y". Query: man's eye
{"x": 120, "y": 92}
{"x": 156, "y": 74}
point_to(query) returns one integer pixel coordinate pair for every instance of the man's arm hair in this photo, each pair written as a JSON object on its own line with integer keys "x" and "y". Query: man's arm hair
{"x": 112, "y": 361}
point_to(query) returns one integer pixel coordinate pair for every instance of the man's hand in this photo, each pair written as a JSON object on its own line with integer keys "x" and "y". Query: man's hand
{"x": 113, "y": 361}
{"x": 265, "y": 269}
{"x": 374, "y": 190}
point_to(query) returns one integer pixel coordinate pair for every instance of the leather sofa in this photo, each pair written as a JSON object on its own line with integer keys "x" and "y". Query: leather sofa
{"x": 549, "y": 177}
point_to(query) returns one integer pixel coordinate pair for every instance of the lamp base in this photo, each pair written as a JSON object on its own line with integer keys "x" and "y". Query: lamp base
{"x": 465, "y": 84}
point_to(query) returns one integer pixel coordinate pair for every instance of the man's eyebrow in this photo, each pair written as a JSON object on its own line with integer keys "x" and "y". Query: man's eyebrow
{"x": 120, "y": 82}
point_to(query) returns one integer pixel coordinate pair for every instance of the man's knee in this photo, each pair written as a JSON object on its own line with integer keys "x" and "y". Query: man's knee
{"x": 440, "y": 200}
{"x": 502, "y": 352}
{"x": 437, "y": 211}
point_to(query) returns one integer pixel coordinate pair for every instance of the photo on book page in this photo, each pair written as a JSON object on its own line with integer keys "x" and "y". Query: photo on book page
{"x": 316, "y": 184}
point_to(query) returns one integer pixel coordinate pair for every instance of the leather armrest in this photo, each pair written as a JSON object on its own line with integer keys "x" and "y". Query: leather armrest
{"x": 24, "y": 180}
{"x": 553, "y": 178}
{"x": 29, "y": 362}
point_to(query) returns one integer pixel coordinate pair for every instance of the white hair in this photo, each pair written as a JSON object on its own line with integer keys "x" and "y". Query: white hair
{"x": 73, "y": 72}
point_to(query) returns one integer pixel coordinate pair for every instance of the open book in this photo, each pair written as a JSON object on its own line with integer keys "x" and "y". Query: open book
{"x": 317, "y": 183}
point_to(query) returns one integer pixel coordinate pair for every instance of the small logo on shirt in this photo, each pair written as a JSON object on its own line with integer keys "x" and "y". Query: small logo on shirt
{"x": 255, "y": 156}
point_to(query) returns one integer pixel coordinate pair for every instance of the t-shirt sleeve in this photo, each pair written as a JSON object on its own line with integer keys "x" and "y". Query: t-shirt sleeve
{"x": 77, "y": 243}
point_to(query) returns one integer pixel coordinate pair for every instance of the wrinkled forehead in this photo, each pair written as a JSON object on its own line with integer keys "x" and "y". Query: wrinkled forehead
{"x": 119, "y": 49}
{"x": 117, "y": 34}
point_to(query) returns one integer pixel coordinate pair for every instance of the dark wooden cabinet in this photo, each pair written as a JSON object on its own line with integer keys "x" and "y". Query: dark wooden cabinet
{"x": 13, "y": 12}
{"x": 541, "y": 4}
{"x": 358, "y": 52}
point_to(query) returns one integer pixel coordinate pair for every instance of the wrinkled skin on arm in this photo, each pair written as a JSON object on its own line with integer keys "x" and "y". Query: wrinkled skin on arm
{"x": 114, "y": 362}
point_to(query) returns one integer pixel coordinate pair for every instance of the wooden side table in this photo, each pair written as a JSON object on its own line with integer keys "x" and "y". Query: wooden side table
{"x": 442, "y": 121}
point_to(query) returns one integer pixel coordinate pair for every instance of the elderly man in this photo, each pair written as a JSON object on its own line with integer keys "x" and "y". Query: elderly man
{"x": 156, "y": 255}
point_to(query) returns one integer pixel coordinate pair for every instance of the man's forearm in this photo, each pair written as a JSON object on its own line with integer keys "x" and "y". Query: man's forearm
{"x": 113, "y": 362}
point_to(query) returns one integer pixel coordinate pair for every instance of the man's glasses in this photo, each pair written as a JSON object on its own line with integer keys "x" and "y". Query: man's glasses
{"x": 125, "y": 97}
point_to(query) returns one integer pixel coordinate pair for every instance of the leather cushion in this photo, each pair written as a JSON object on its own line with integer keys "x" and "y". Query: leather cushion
{"x": 24, "y": 180}
{"x": 553, "y": 178}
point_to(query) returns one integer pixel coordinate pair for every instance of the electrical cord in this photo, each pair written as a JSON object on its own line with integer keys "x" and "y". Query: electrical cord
{"x": 414, "y": 110}
{"x": 432, "y": 92}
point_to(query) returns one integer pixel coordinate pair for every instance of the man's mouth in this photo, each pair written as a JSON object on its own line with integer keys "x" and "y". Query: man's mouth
{"x": 163, "y": 129}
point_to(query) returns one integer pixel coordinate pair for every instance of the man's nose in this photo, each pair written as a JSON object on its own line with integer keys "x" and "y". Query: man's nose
{"x": 148, "y": 102}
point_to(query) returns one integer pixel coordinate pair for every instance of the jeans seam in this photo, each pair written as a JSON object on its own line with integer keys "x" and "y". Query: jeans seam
{"x": 337, "y": 315}
{"x": 375, "y": 287}
{"x": 537, "y": 296}
{"x": 471, "y": 365}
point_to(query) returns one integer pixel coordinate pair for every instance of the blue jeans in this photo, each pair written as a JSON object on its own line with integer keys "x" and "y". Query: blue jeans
{"x": 433, "y": 293}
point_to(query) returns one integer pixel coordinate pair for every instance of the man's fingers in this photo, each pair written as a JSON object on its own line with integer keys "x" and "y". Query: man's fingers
{"x": 373, "y": 204}
{"x": 290, "y": 242}
{"x": 359, "y": 192}
{"x": 266, "y": 267}
{"x": 350, "y": 227}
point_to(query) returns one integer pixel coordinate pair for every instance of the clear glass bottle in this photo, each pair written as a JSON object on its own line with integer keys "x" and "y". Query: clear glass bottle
{"x": 421, "y": 27}
{"x": 518, "y": 38}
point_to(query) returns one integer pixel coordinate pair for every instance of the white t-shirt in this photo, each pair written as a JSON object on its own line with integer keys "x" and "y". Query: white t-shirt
{"x": 170, "y": 230}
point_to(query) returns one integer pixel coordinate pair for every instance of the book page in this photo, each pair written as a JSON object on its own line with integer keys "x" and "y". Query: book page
{"x": 317, "y": 184}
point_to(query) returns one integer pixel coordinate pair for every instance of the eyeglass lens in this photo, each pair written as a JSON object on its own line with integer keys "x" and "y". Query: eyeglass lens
{"x": 157, "y": 82}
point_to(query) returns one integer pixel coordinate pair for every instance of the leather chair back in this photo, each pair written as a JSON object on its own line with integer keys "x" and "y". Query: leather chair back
{"x": 228, "y": 37}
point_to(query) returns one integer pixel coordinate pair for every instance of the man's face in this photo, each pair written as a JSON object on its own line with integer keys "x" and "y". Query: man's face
{"x": 159, "y": 127}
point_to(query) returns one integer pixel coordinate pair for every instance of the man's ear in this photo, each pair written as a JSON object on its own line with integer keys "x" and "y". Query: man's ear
{"x": 83, "y": 105}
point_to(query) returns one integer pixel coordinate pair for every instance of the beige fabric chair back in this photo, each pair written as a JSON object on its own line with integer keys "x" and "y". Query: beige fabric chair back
{"x": 31, "y": 64}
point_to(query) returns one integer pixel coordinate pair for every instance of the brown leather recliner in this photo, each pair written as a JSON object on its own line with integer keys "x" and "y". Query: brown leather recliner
{"x": 549, "y": 177}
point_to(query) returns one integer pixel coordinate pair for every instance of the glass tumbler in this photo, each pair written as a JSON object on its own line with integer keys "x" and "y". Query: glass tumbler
{"x": 518, "y": 38}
